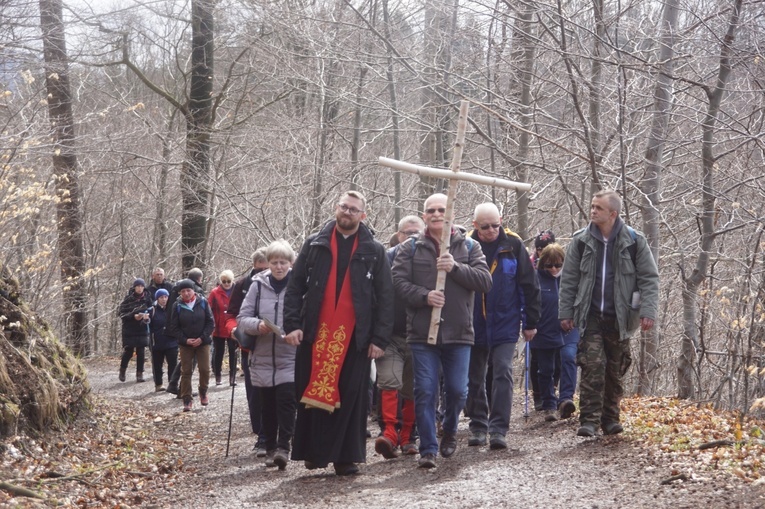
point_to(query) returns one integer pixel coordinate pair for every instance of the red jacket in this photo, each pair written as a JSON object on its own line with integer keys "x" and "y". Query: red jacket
{"x": 218, "y": 301}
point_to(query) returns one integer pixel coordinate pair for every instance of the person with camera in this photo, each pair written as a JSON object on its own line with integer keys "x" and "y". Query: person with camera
{"x": 134, "y": 312}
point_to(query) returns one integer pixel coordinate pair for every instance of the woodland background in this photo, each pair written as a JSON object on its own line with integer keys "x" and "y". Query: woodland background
{"x": 188, "y": 133}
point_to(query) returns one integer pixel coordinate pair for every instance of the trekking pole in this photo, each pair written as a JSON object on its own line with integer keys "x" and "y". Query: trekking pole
{"x": 231, "y": 413}
{"x": 526, "y": 399}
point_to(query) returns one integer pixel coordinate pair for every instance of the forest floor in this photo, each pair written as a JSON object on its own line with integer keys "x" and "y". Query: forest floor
{"x": 137, "y": 449}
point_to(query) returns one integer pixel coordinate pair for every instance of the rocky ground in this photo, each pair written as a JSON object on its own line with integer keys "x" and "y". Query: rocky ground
{"x": 139, "y": 450}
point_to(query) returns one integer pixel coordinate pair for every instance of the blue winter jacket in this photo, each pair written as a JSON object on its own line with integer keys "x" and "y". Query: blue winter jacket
{"x": 158, "y": 327}
{"x": 549, "y": 334}
{"x": 514, "y": 296}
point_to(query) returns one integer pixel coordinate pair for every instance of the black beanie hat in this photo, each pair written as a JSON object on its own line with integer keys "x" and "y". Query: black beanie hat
{"x": 544, "y": 238}
{"x": 185, "y": 283}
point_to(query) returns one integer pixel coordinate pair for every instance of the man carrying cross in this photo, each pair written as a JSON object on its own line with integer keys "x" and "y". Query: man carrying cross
{"x": 415, "y": 270}
{"x": 338, "y": 310}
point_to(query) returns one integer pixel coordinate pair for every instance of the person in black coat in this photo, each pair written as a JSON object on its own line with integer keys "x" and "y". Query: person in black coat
{"x": 134, "y": 312}
{"x": 164, "y": 348}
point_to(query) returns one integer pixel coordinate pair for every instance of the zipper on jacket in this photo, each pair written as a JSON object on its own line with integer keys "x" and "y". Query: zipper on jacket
{"x": 603, "y": 278}
{"x": 273, "y": 342}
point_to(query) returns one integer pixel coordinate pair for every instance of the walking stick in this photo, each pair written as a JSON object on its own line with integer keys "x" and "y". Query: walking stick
{"x": 526, "y": 399}
{"x": 231, "y": 412}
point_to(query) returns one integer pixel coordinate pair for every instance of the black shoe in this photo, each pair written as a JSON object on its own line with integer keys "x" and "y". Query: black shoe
{"x": 122, "y": 375}
{"x": 346, "y": 469}
{"x": 448, "y": 445}
{"x": 427, "y": 461}
{"x": 611, "y": 428}
{"x": 172, "y": 389}
{"x": 270, "y": 460}
{"x": 477, "y": 438}
{"x": 497, "y": 441}
{"x": 587, "y": 429}
{"x": 310, "y": 465}
{"x": 139, "y": 377}
{"x": 566, "y": 409}
{"x": 281, "y": 458}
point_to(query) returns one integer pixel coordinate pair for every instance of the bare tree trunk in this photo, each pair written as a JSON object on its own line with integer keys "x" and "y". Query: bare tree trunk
{"x": 398, "y": 213}
{"x": 195, "y": 173}
{"x": 70, "y": 243}
{"x": 651, "y": 183}
{"x": 686, "y": 388}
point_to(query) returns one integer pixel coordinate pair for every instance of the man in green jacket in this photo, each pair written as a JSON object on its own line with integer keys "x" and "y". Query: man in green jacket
{"x": 609, "y": 287}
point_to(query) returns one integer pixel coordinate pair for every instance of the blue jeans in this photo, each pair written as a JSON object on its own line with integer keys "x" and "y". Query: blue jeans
{"x": 567, "y": 372}
{"x": 501, "y": 398}
{"x": 428, "y": 361}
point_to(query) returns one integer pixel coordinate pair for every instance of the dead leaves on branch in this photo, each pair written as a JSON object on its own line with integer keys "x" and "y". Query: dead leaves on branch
{"x": 697, "y": 438}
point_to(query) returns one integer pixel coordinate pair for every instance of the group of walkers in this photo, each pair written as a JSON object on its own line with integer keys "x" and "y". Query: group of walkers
{"x": 309, "y": 327}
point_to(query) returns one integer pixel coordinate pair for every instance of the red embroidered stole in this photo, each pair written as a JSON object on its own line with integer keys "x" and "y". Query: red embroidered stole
{"x": 336, "y": 324}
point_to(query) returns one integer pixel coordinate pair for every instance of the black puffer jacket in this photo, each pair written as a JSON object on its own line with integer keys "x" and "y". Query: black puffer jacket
{"x": 185, "y": 323}
{"x": 371, "y": 288}
{"x": 134, "y": 332}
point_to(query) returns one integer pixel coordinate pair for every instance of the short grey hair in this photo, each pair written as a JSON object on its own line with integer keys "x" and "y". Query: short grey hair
{"x": 485, "y": 207}
{"x": 280, "y": 249}
{"x": 614, "y": 200}
{"x": 196, "y": 274}
{"x": 411, "y": 220}
{"x": 259, "y": 255}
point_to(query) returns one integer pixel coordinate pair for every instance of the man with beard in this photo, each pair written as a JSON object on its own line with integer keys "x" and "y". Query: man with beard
{"x": 338, "y": 310}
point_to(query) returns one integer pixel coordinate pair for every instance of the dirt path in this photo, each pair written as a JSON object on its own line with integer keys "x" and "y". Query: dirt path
{"x": 546, "y": 466}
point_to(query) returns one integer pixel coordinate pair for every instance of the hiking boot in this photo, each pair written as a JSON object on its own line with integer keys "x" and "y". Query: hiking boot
{"x": 409, "y": 449}
{"x": 281, "y": 458}
{"x": 159, "y": 388}
{"x": 448, "y": 445}
{"x": 386, "y": 448}
{"x": 566, "y": 409}
{"x": 427, "y": 461}
{"x": 204, "y": 400}
{"x": 497, "y": 441}
{"x": 139, "y": 377}
{"x": 611, "y": 428}
{"x": 551, "y": 415}
{"x": 187, "y": 405}
{"x": 587, "y": 429}
{"x": 122, "y": 375}
{"x": 477, "y": 438}
{"x": 172, "y": 388}
{"x": 218, "y": 380}
{"x": 270, "y": 459}
{"x": 346, "y": 469}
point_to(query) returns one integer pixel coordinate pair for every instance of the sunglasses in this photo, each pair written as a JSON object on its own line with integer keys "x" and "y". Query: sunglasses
{"x": 492, "y": 226}
{"x": 440, "y": 210}
{"x": 553, "y": 265}
{"x": 226, "y": 281}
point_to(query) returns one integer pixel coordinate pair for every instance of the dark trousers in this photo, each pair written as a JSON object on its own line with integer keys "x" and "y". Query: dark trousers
{"x": 219, "y": 346}
{"x": 140, "y": 357}
{"x": 533, "y": 369}
{"x": 253, "y": 397}
{"x": 158, "y": 359}
{"x": 277, "y": 415}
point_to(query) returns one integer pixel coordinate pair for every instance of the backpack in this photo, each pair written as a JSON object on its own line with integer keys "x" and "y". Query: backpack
{"x": 632, "y": 247}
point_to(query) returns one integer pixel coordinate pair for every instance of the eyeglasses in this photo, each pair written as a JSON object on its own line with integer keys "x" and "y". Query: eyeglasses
{"x": 487, "y": 226}
{"x": 226, "y": 281}
{"x": 351, "y": 210}
{"x": 440, "y": 210}
{"x": 409, "y": 233}
{"x": 553, "y": 265}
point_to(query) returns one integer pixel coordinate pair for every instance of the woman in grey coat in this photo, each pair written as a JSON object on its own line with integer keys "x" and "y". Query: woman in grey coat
{"x": 272, "y": 362}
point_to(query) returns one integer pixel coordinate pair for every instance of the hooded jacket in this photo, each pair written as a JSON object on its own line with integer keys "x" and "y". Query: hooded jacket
{"x": 371, "y": 288}
{"x": 273, "y": 360}
{"x": 514, "y": 297}
{"x": 414, "y": 276}
{"x": 586, "y": 255}
{"x": 197, "y": 322}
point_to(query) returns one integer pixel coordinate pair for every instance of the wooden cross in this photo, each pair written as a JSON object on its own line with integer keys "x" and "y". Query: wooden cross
{"x": 453, "y": 176}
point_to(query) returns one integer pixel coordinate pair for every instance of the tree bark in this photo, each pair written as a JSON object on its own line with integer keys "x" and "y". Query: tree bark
{"x": 68, "y": 214}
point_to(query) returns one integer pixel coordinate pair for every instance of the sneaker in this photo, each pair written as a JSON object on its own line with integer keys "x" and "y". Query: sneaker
{"x": 551, "y": 415}
{"x": 139, "y": 378}
{"x": 409, "y": 449}
{"x": 587, "y": 429}
{"x": 187, "y": 406}
{"x": 159, "y": 388}
{"x": 427, "y": 461}
{"x": 281, "y": 458}
{"x": 612, "y": 428}
{"x": 386, "y": 448}
{"x": 346, "y": 469}
{"x": 204, "y": 400}
{"x": 477, "y": 438}
{"x": 448, "y": 445}
{"x": 260, "y": 450}
{"x": 497, "y": 441}
{"x": 566, "y": 409}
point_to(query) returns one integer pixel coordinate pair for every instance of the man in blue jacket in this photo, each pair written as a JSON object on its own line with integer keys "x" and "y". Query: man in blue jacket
{"x": 497, "y": 318}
